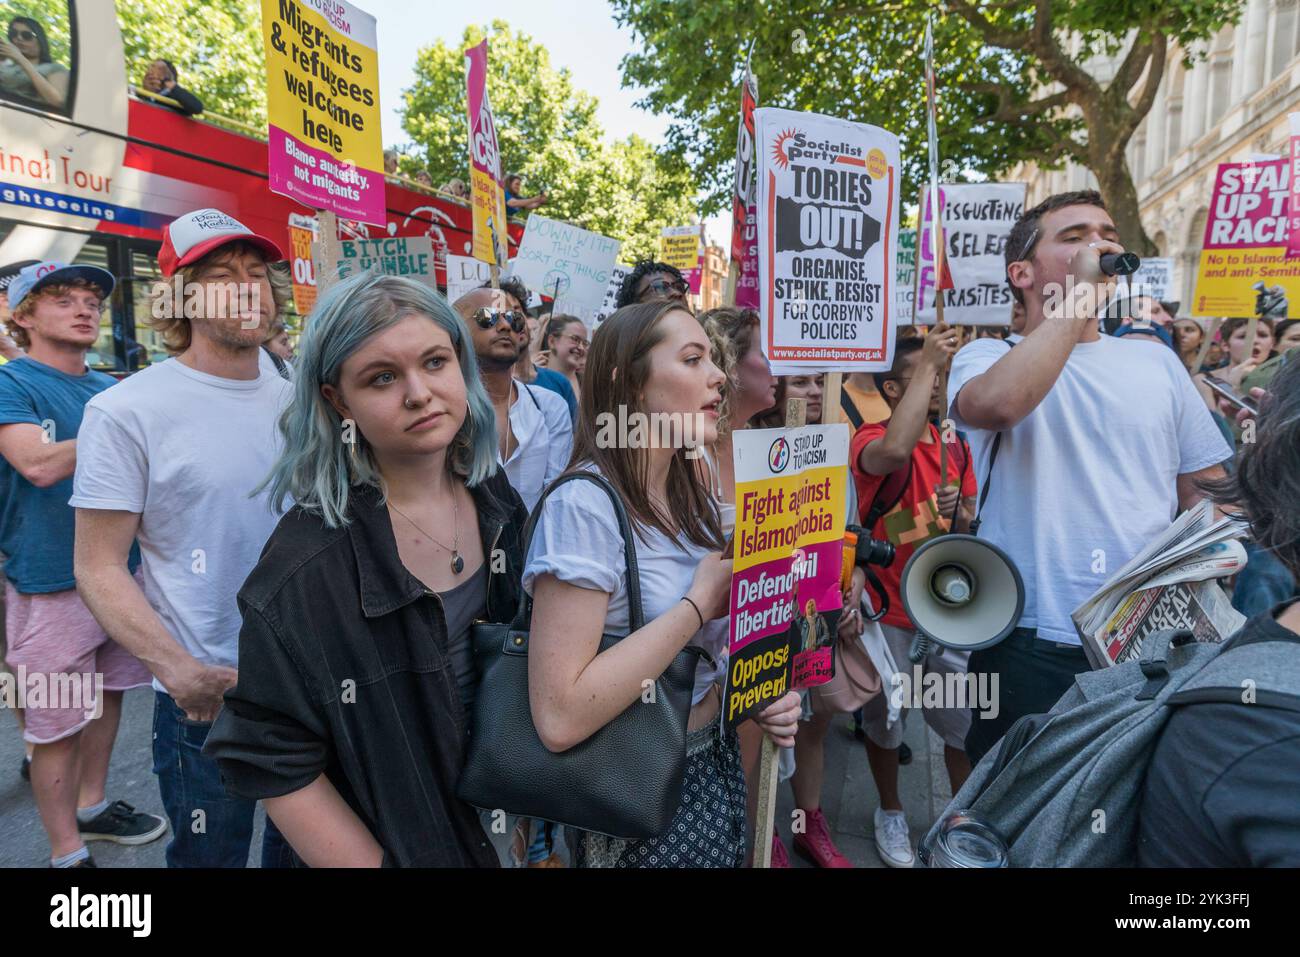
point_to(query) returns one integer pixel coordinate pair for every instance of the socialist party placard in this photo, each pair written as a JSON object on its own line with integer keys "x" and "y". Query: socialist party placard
{"x": 828, "y": 236}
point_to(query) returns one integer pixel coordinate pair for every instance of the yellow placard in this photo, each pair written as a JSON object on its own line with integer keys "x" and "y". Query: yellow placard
{"x": 1225, "y": 276}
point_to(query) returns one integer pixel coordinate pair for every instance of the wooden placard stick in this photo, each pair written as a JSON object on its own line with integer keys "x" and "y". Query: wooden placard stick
{"x": 733, "y": 276}
{"x": 943, "y": 391}
{"x": 326, "y": 251}
{"x": 796, "y": 411}
{"x": 832, "y": 410}
{"x": 1208, "y": 341}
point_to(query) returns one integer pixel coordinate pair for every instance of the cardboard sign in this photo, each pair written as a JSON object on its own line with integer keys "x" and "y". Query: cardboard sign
{"x": 571, "y": 265}
{"x": 324, "y": 145}
{"x": 487, "y": 193}
{"x": 410, "y": 256}
{"x": 905, "y": 273}
{"x": 790, "y": 515}
{"x": 607, "y": 308}
{"x": 1155, "y": 279}
{"x": 1246, "y": 238}
{"x": 464, "y": 275}
{"x": 977, "y": 220}
{"x": 827, "y": 201}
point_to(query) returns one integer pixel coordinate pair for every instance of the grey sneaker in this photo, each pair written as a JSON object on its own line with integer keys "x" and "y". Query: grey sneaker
{"x": 893, "y": 842}
{"x": 123, "y": 824}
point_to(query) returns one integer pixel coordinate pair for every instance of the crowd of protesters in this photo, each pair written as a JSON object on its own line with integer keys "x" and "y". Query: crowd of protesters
{"x": 291, "y": 545}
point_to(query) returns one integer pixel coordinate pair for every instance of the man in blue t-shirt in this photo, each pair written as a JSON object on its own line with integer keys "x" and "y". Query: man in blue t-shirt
{"x": 70, "y": 675}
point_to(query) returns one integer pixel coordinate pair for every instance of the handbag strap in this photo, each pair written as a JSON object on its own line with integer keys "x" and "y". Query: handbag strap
{"x": 977, "y": 521}
{"x": 635, "y": 613}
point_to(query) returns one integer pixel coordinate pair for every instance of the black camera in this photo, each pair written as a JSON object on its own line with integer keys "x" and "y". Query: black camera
{"x": 871, "y": 551}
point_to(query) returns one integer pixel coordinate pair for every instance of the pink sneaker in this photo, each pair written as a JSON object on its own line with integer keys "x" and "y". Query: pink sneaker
{"x": 816, "y": 844}
{"x": 779, "y": 857}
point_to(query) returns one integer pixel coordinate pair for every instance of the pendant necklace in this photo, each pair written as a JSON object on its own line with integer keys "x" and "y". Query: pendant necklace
{"x": 457, "y": 563}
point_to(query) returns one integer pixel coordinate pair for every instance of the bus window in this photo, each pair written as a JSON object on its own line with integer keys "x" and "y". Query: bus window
{"x": 36, "y": 53}
{"x": 139, "y": 291}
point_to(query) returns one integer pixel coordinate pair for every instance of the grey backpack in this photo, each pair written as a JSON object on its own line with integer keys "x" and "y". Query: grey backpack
{"x": 1063, "y": 788}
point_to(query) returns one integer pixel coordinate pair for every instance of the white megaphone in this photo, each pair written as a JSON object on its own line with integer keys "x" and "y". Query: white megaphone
{"x": 961, "y": 592}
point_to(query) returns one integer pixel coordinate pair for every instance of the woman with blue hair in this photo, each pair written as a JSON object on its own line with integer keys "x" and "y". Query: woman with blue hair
{"x": 356, "y": 681}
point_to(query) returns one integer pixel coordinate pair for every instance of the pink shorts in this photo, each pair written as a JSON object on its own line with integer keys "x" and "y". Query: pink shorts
{"x": 61, "y": 659}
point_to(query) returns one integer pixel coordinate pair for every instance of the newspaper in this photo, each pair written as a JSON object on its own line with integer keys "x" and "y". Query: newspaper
{"x": 1171, "y": 583}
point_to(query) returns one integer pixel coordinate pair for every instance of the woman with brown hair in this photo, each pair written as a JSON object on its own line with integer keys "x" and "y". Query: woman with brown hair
{"x": 647, "y": 360}
{"x": 565, "y": 344}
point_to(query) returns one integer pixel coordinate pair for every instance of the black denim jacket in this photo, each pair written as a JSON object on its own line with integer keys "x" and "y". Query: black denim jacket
{"x": 343, "y": 669}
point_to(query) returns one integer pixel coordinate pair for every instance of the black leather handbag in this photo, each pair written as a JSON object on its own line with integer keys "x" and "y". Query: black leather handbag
{"x": 625, "y": 780}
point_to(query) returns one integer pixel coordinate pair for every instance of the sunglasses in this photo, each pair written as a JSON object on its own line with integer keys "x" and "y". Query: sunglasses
{"x": 21, "y": 35}
{"x": 666, "y": 287}
{"x": 488, "y": 318}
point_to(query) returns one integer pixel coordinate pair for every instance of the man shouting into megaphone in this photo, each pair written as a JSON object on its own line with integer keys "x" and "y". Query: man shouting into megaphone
{"x": 902, "y": 497}
{"x": 1086, "y": 447}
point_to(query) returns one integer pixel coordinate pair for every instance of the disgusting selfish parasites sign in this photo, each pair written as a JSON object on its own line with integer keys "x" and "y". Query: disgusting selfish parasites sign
{"x": 827, "y": 232}
{"x": 977, "y": 220}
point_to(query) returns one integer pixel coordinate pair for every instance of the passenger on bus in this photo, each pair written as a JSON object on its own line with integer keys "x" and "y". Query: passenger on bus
{"x": 26, "y": 69}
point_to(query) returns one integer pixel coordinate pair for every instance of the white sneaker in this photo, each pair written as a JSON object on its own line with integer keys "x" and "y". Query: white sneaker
{"x": 893, "y": 841}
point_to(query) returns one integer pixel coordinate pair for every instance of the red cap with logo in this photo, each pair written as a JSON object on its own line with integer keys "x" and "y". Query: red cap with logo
{"x": 189, "y": 238}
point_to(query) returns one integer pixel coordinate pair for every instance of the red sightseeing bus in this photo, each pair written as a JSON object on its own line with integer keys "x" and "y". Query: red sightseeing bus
{"x": 93, "y": 179}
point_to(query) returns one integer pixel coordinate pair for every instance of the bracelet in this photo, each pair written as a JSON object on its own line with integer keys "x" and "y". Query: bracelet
{"x": 686, "y": 598}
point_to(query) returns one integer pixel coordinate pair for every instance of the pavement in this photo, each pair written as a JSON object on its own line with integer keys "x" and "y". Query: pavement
{"x": 848, "y": 796}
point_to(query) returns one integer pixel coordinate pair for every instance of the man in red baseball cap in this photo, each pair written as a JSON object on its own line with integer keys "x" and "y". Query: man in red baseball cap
{"x": 171, "y": 459}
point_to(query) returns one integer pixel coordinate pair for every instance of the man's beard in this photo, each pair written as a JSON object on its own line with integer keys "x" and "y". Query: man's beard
{"x": 230, "y": 334}
{"x": 491, "y": 363}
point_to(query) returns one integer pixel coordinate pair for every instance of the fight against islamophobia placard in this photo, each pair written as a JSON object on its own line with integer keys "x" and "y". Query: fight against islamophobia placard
{"x": 790, "y": 514}
{"x": 827, "y": 201}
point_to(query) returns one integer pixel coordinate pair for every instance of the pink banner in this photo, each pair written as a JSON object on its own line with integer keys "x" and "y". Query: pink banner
{"x": 744, "y": 211}
{"x": 315, "y": 178}
{"x": 1293, "y": 234}
{"x": 487, "y": 192}
{"x": 1250, "y": 206}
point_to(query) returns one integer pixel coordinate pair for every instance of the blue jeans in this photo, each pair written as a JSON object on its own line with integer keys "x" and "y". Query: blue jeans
{"x": 1263, "y": 583}
{"x": 209, "y": 827}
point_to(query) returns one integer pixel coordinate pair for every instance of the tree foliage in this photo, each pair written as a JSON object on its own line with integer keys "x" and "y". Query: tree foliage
{"x": 216, "y": 46}
{"x": 1007, "y": 73}
{"x": 549, "y": 133}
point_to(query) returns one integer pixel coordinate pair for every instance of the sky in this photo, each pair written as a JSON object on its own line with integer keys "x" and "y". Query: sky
{"x": 580, "y": 35}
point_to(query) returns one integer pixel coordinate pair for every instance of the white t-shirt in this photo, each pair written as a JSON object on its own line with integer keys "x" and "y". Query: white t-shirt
{"x": 544, "y": 431}
{"x": 577, "y": 540}
{"x": 1089, "y": 477}
{"x": 184, "y": 449}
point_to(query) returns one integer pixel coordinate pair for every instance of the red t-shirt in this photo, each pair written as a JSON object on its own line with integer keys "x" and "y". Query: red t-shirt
{"x": 915, "y": 519}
